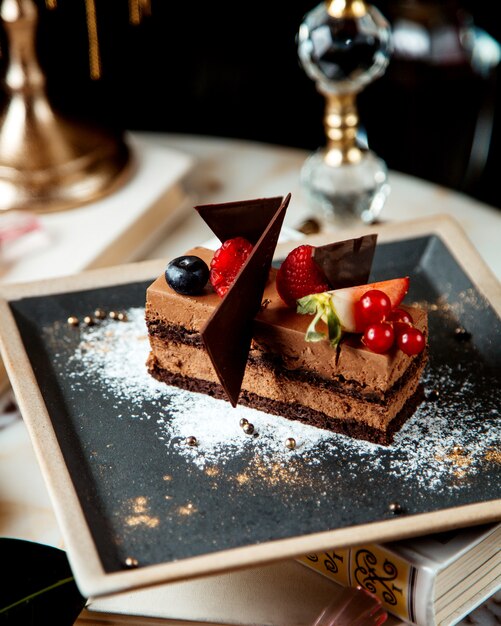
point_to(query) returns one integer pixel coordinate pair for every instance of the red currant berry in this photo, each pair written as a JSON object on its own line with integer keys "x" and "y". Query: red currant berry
{"x": 411, "y": 341}
{"x": 399, "y": 328}
{"x": 372, "y": 307}
{"x": 399, "y": 315}
{"x": 379, "y": 337}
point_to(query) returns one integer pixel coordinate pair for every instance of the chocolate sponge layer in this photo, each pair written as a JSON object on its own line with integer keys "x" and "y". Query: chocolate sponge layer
{"x": 349, "y": 411}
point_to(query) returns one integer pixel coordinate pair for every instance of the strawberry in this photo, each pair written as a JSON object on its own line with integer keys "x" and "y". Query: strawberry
{"x": 299, "y": 276}
{"x": 226, "y": 263}
{"x": 339, "y": 308}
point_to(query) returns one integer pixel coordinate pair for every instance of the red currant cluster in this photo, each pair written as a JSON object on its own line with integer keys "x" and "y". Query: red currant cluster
{"x": 383, "y": 327}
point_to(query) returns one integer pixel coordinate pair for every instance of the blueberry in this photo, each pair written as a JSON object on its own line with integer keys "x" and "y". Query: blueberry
{"x": 187, "y": 275}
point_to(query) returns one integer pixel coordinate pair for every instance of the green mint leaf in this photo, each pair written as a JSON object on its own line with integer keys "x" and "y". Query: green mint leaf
{"x": 333, "y": 326}
{"x": 320, "y": 305}
{"x": 311, "y": 332}
{"x": 307, "y": 305}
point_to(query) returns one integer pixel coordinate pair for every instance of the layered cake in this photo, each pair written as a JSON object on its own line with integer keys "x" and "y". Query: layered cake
{"x": 281, "y": 340}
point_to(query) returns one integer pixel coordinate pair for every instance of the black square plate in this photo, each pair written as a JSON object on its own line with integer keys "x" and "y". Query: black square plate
{"x": 131, "y": 492}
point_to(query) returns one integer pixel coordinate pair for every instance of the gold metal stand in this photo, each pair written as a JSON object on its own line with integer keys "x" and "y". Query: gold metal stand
{"x": 341, "y": 127}
{"x": 47, "y": 163}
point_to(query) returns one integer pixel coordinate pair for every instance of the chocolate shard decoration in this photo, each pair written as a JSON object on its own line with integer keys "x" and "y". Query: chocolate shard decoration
{"x": 346, "y": 263}
{"x": 227, "y": 335}
{"x": 246, "y": 218}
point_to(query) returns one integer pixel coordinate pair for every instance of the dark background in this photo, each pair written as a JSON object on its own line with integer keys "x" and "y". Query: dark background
{"x": 231, "y": 69}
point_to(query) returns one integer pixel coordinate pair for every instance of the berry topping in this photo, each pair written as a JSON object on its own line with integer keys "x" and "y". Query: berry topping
{"x": 372, "y": 307}
{"x": 411, "y": 340}
{"x": 343, "y": 305}
{"x": 369, "y": 309}
{"x": 226, "y": 263}
{"x": 379, "y": 337}
{"x": 300, "y": 276}
{"x": 347, "y": 302}
{"x": 187, "y": 275}
{"x": 399, "y": 315}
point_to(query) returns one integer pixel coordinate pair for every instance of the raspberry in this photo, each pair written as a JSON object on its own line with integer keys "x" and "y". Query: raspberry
{"x": 226, "y": 263}
{"x": 300, "y": 276}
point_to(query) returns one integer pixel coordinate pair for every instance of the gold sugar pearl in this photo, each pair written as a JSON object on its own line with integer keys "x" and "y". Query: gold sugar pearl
{"x": 243, "y": 422}
{"x": 290, "y": 443}
{"x": 117, "y": 315}
{"x": 88, "y": 320}
{"x": 461, "y": 334}
{"x": 131, "y": 562}
{"x": 395, "y": 507}
{"x": 100, "y": 314}
{"x": 73, "y": 321}
{"x": 248, "y": 428}
{"x": 431, "y": 394}
{"x": 191, "y": 441}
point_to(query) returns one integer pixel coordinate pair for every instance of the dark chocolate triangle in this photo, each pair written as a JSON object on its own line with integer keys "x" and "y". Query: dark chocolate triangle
{"x": 247, "y": 218}
{"x": 346, "y": 263}
{"x": 228, "y": 332}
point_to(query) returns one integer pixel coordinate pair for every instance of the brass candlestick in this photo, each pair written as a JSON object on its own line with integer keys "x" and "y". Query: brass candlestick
{"x": 344, "y": 45}
{"x": 47, "y": 162}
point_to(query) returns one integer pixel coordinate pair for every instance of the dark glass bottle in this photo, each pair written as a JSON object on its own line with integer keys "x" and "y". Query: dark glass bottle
{"x": 432, "y": 114}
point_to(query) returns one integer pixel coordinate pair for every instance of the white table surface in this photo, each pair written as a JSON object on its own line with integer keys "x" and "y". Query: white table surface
{"x": 227, "y": 170}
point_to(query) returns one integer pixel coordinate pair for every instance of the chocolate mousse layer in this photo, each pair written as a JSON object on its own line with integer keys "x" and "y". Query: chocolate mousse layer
{"x": 349, "y": 389}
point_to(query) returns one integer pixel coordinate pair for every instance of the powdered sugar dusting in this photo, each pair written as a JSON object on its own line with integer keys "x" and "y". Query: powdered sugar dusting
{"x": 435, "y": 446}
{"x": 116, "y": 353}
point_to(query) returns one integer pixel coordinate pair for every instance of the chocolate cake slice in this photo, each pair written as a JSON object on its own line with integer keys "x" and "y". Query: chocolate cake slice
{"x": 348, "y": 388}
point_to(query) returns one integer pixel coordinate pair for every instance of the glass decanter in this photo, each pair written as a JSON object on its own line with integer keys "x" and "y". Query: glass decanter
{"x": 343, "y": 46}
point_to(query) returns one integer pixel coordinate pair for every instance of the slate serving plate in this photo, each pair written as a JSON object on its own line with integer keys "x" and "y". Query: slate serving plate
{"x": 135, "y": 508}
